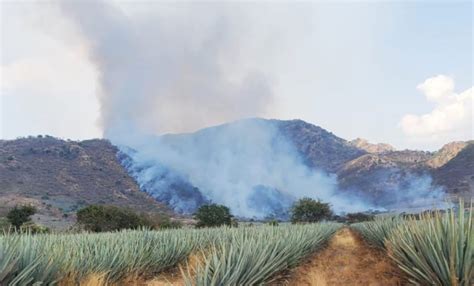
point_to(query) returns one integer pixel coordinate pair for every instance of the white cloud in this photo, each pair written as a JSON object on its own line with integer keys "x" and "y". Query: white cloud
{"x": 437, "y": 88}
{"x": 452, "y": 113}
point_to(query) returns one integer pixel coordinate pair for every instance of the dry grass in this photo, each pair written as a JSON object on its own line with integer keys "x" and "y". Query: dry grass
{"x": 347, "y": 260}
{"x": 91, "y": 280}
{"x": 171, "y": 277}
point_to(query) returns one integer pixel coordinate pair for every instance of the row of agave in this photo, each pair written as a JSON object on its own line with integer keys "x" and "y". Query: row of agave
{"x": 435, "y": 248}
{"x": 48, "y": 259}
{"x": 253, "y": 257}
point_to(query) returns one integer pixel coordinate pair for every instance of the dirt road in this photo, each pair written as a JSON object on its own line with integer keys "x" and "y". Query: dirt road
{"x": 347, "y": 260}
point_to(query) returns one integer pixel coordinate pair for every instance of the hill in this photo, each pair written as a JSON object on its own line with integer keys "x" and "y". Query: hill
{"x": 457, "y": 174}
{"x": 245, "y": 164}
{"x": 59, "y": 177}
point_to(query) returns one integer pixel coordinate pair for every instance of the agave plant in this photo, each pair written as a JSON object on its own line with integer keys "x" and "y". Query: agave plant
{"x": 376, "y": 232}
{"x": 436, "y": 249}
{"x": 252, "y": 256}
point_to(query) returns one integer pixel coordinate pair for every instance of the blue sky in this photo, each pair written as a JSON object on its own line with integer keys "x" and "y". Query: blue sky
{"x": 354, "y": 68}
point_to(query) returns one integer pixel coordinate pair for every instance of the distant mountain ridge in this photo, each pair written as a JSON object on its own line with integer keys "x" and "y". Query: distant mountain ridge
{"x": 60, "y": 176}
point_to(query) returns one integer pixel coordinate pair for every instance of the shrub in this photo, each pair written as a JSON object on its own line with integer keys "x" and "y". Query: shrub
{"x": 99, "y": 218}
{"x": 5, "y": 225}
{"x": 359, "y": 217}
{"x": 213, "y": 215}
{"x": 161, "y": 221}
{"x": 309, "y": 210}
{"x": 273, "y": 222}
{"x": 32, "y": 228}
{"x": 19, "y": 215}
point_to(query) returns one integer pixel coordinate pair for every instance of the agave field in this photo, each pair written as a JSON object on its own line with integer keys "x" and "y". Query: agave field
{"x": 229, "y": 256}
{"x": 436, "y": 248}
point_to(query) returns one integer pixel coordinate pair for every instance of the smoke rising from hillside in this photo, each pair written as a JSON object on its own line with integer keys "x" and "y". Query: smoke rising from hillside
{"x": 247, "y": 165}
{"x": 182, "y": 68}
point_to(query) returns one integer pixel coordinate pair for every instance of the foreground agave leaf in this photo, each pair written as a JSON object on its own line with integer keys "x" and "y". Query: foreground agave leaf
{"x": 433, "y": 249}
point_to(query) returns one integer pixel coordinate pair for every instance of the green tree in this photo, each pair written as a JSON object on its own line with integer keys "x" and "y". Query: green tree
{"x": 213, "y": 215}
{"x": 20, "y": 214}
{"x": 99, "y": 218}
{"x": 309, "y": 210}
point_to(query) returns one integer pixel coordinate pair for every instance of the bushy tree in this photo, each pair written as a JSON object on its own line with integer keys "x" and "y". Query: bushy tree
{"x": 20, "y": 215}
{"x": 99, "y": 218}
{"x": 309, "y": 210}
{"x": 213, "y": 215}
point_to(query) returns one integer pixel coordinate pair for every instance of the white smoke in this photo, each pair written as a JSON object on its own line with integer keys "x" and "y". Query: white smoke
{"x": 175, "y": 70}
{"x": 247, "y": 165}
{"x": 178, "y": 69}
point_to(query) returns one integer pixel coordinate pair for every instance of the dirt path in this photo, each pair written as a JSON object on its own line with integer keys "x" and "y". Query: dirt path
{"x": 347, "y": 260}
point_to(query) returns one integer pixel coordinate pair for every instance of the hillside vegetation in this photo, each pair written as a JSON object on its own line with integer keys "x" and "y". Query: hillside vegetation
{"x": 59, "y": 177}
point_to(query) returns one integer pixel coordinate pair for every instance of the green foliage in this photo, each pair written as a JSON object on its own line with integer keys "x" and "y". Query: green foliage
{"x": 100, "y": 218}
{"x": 436, "y": 250}
{"x": 5, "y": 225}
{"x": 20, "y": 214}
{"x": 273, "y": 222}
{"x": 359, "y": 217}
{"x": 213, "y": 215}
{"x": 252, "y": 256}
{"x": 309, "y": 210}
{"x": 30, "y": 227}
{"x": 160, "y": 221}
{"x": 45, "y": 259}
{"x": 433, "y": 248}
{"x": 377, "y": 231}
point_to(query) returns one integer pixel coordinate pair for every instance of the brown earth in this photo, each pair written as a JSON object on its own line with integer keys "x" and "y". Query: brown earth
{"x": 347, "y": 260}
{"x": 59, "y": 177}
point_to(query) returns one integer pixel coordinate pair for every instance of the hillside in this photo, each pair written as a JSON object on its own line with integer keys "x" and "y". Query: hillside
{"x": 370, "y": 147}
{"x": 457, "y": 174}
{"x": 318, "y": 147}
{"x": 60, "y": 177}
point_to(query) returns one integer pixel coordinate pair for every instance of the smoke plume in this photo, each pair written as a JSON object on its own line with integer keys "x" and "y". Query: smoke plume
{"x": 247, "y": 165}
{"x": 175, "y": 70}
{"x": 181, "y": 67}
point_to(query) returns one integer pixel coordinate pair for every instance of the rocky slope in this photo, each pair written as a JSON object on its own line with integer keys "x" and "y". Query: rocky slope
{"x": 370, "y": 147}
{"x": 59, "y": 177}
{"x": 457, "y": 174}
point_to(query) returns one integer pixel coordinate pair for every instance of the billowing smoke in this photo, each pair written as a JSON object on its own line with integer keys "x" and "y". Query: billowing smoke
{"x": 178, "y": 68}
{"x": 175, "y": 70}
{"x": 247, "y": 165}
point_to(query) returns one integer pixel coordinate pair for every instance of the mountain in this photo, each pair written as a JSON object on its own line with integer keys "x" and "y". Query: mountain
{"x": 59, "y": 177}
{"x": 376, "y": 174}
{"x": 370, "y": 147}
{"x": 255, "y": 164}
{"x": 318, "y": 147}
{"x": 457, "y": 174}
{"x": 446, "y": 153}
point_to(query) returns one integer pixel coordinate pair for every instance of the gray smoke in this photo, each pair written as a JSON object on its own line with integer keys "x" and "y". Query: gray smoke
{"x": 247, "y": 165}
{"x": 410, "y": 192}
{"x": 180, "y": 67}
{"x": 174, "y": 70}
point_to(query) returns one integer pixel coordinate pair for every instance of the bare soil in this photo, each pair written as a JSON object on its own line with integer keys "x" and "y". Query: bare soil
{"x": 347, "y": 260}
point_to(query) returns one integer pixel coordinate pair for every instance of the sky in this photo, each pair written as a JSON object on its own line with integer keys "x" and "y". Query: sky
{"x": 393, "y": 72}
